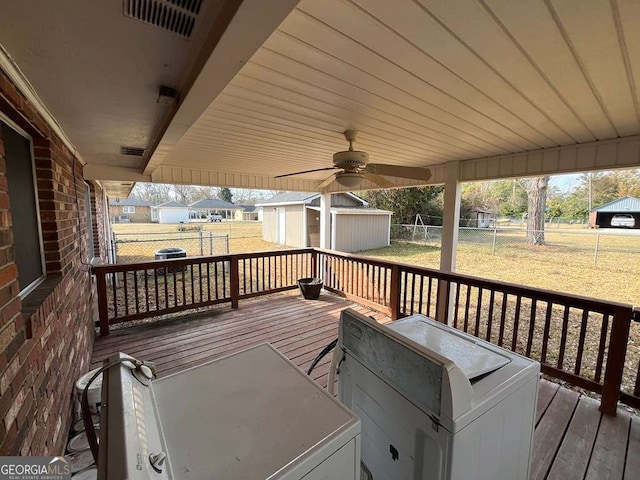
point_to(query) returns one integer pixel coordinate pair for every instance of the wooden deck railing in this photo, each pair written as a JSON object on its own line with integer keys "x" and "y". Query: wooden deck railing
{"x": 579, "y": 340}
{"x": 263, "y": 273}
{"x": 134, "y": 291}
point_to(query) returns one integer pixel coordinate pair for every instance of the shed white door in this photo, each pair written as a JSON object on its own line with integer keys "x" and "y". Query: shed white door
{"x": 281, "y": 225}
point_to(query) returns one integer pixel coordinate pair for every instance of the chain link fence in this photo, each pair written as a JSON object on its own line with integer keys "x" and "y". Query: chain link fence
{"x": 142, "y": 246}
{"x": 550, "y": 223}
{"x": 591, "y": 246}
{"x": 501, "y": 221}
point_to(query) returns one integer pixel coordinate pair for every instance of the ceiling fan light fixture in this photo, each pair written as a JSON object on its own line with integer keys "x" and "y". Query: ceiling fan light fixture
{"x": 350, "y": 179}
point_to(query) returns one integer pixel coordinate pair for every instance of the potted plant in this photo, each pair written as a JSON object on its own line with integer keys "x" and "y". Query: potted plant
{"x": 310, "y": 287}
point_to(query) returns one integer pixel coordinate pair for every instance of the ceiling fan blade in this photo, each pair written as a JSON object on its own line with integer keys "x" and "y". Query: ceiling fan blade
{"x": 416, "y": 173}
{"x": 326, "y": 182}
{"x": 305, "y": 171}
{"x": 378, "y": 180}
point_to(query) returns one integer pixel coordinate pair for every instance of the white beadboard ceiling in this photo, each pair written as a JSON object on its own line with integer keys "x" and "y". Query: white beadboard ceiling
{"x": 425, "y": 82}
{"x": 507, "y": 87}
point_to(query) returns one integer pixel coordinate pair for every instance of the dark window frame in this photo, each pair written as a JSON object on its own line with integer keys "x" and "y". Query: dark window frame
{"x": 25, "y": 290}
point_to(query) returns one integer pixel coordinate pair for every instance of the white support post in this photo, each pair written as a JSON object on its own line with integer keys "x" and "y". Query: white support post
{"x": 332, "y": 226}
{"x": 305, "y": 227}
{"x": 450, "y": 224}
{"x": 451, "y": 217}
{"x": 325, "y": 220}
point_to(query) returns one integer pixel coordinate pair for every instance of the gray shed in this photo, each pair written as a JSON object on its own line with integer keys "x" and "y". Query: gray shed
{"x": 293, "y": 219}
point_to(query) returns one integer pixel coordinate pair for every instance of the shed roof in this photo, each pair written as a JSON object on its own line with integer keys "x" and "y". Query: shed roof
{"x": 129, "y": 202}
{"x": 624, "y": 204}
{"x": 172, "y": 204}
{"x": 288, "y": 198}
{"x": 214, "y": 203}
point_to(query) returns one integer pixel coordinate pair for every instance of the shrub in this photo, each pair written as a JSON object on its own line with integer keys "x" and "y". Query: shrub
{"x": 190, "y": 228}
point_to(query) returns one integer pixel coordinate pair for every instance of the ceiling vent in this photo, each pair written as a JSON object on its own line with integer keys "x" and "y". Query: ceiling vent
{"x": 133, "y": 151}
{"x": 177, "y": 16}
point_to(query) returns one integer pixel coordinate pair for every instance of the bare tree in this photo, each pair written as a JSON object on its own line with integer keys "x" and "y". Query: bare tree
{"x": 248, "y": 196}
{"x": 155, "y": 193}
{"x": 243, "y": 196}
{"x": 537, "y": 203}
{"x": 202, "y": 193}
{"x": 141, "y": 191}
{"x": 183, "y": 193}
{"x": 160, "y": 193}
{"x": 163, "y": 192}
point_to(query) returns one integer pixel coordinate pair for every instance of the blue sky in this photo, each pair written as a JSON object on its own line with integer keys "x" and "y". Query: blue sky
{"x": 564, "y": 182}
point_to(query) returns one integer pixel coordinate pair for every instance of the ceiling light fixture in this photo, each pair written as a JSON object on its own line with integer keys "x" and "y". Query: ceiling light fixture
{"x": 350, "y": 179}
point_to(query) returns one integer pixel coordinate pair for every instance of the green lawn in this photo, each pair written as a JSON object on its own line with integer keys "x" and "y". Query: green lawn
{"x": 565, "y": 263}
{"x": 243, "y": 237}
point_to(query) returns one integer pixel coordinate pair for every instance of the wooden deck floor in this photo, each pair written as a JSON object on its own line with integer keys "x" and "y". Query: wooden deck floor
{"x": 572, "y": 440}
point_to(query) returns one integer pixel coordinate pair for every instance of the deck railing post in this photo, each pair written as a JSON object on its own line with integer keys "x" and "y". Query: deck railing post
{"x": 615, "y": 360}
{"x": 103, "y": 310}
{"x": 395, "y": 292}
{"x": 443, "y": 301}
{"x": 322, "y": 267}
{"x": 234, "y": 281}
{"x": 314, "y": 264}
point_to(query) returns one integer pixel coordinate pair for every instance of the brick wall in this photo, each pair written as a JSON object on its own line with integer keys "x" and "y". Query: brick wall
{"x": 45, "y": 340}
{"x": 98, "y": 214}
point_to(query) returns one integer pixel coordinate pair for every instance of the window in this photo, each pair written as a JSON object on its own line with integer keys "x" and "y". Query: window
{"x": 128, "y": 209}
{"x": 27, "y": 239}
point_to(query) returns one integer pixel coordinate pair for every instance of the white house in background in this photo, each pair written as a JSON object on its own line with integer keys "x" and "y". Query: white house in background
{"x": 203, "y": 209}
{"x": 170, "y": 212}
{"x": 248, "y": 213}
{"x": 293, "y": 219}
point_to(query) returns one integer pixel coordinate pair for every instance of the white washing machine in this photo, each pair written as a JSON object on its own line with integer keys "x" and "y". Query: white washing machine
{"x": 251, "y": 415}
{"x": 436, "y": 403}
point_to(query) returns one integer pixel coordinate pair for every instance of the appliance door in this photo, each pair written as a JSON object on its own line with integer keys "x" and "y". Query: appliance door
{"x": 399, "y": 441}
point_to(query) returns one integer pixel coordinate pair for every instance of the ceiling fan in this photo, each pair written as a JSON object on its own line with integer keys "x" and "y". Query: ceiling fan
{"x": 354, "y": 168}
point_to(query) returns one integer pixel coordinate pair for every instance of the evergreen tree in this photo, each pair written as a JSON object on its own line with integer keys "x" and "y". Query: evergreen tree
{"x": 226, "y": 195}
